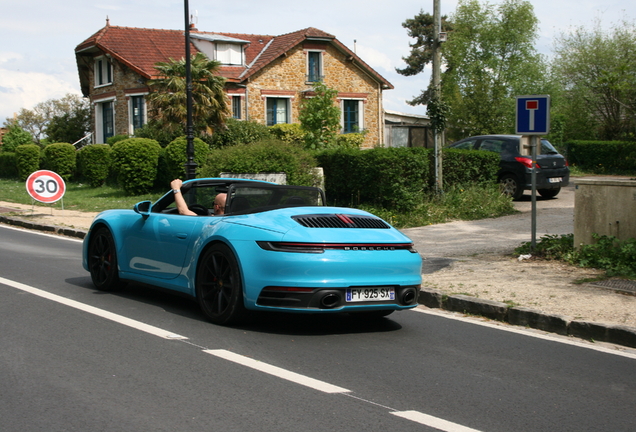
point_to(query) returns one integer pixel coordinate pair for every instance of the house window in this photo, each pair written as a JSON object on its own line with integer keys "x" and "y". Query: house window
{"x": 105, "y": 120}
{"x": 229, "y": 54}
{"x": 314, "y": 66}
{"x": 236, "y": 107}
{"x": 137, "y": 109}
{"x": 277, "y": 111}
{"x": 351, "y": 116}
{"x": 103, "y": 71}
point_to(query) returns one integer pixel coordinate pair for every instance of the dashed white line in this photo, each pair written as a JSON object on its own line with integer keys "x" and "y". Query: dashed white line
{"x": 93, "y": 310}
{"x": 433, "y": 422}
{"x": 278, "y": 372}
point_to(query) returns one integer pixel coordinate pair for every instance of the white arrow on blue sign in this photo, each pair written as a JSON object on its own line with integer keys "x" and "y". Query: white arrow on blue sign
{"x": 533, "y": 115}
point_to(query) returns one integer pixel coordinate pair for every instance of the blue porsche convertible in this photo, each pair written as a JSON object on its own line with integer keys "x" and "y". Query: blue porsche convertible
{"x": 276, "y": 247}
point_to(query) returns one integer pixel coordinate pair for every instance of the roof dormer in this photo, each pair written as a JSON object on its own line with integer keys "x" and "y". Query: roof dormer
{"x": 227, "y": 50}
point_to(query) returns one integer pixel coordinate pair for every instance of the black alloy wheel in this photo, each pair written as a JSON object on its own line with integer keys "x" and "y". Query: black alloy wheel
{"x": 102, "y": 260}
{"x": 219, "y": 286}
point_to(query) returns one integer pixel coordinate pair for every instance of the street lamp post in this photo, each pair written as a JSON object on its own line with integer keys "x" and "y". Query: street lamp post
{"x": 190, "y": 165}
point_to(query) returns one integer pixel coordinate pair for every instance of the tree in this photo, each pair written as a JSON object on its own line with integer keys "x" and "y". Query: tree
{"x": 168, "y": 97}
{"x": 596, "y": 70}
{"x": 320, "y": 117}
{"x": 36, "y": 121}
{"x": 69, "y": 128}
{"x": 15, "y": 136}
{"x": 489, "y": 58}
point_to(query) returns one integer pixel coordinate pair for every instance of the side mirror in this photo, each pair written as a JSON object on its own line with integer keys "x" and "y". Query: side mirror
{"x": 143, "y": 208}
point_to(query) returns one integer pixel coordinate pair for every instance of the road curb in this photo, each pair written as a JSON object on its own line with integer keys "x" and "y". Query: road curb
{"x": 526, "y": 317}
{"x": 70, "y": 232}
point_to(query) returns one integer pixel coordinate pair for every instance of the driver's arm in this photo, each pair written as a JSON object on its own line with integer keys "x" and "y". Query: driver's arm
{"x": 182, "y": 207}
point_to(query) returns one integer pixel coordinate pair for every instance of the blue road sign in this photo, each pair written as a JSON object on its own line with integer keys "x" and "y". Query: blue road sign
{"x": 533, "y": 115}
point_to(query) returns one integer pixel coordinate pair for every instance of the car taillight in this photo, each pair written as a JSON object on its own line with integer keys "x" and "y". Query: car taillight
{"x": 527, "y": 162}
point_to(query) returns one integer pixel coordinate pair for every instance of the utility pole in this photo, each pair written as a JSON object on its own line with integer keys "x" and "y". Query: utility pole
{"x": 437, "y": 58}
{"x": 190, "y": 165}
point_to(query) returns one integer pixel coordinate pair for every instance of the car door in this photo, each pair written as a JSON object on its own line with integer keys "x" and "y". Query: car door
{"x": 158, "y": 244}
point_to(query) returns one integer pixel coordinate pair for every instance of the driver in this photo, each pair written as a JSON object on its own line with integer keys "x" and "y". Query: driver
{"x": 182, "y": 207}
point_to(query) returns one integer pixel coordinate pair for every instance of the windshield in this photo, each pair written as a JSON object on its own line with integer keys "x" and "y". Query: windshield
{"x": 547, "y": 148}
{"x": 256, "y": 198}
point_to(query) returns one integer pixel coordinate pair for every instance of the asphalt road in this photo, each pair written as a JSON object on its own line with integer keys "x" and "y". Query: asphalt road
{"x": 497, "y": 235}
{"x": 76, "y": 359}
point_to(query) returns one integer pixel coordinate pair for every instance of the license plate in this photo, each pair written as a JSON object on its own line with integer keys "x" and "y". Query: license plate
{"x": 370, "y": 294}
{"x": 555, "y": 179}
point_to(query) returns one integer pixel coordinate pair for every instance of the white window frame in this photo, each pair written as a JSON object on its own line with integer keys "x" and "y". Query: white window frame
{"x": 99, "y": 120}
{"x": 131, "y": 126}
{"x": 104, "y": 65}
{"x": 360, "y": 114}
{"x": 229, "y": 53}
{"x": 288, "y": 107}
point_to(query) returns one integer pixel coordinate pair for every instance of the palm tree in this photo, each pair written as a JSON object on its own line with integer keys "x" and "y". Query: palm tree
{"x": 168, "y": 97}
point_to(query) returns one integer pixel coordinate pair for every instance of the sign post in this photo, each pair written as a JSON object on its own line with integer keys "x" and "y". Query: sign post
{"x": 46, "y": 186}
{"x": 533, "y": 119}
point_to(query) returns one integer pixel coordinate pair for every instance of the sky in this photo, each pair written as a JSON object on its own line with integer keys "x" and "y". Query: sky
{"x": 37, "y": 60}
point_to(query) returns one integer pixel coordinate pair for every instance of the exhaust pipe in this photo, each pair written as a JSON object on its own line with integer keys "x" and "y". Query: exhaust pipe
{"x": 408, "y": 297}
{"x": 330, "y": 300}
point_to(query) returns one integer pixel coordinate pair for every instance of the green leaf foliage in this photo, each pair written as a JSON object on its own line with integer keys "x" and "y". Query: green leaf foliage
{"x": 237, "y": 132}
{"x": 94, "y": 163}
{"x": 15, "y": 137}
{"x": 603, "y": 157}
{"x": 288, "y": 132}
{"x": 8, "y": 168}
{"x": 27, "y": 160}
{"x": 60, "y": 158}
{"x": 320, "y": 117}
{"x": 464, "y": 167}
{"x": 135, "y": 162}
{"x": 270, "y": 156}
{"x": 176, "y": 156}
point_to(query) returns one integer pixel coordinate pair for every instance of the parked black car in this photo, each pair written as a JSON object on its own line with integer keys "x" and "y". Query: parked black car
{"x": 515, "y": 169}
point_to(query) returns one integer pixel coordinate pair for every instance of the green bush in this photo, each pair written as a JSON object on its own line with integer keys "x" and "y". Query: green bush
{"x": 135, "y": 162}
{"x": 175, "y": 157}
{"x": 288, "y": 132}
{"x": 466, "y": 167}
{"x": 267, "y": 156}
{"x": 60, "y": 158}
{"x": 8, "y": 168}
{"x": 394, "y": 178}
{"x": 115, "y": 139}
{"x": 350, "y": 140}
{"x": 237, "y": 132}
{"x": 15, "y": 137}
{"x": 27, "y": 160}
{"x": 603, "y": 157}
{"x": 94, "y": 162}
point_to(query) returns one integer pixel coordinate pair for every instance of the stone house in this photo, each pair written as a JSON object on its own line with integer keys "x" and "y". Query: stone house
{"x": 267, "y": 77}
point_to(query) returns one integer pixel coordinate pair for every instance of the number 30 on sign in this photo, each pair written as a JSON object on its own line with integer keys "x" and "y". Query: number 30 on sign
{"x": 45, "y": 186}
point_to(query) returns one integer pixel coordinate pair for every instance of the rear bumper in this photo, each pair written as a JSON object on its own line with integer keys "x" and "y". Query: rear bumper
{"x": 544, "y": 176}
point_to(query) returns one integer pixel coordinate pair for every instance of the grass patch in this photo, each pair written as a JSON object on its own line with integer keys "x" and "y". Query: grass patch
{"x": 78, "y": 196}
{"x": 457, "y": 203}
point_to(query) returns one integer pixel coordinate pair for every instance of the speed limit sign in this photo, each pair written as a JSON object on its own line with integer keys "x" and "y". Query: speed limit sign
{"x": 45, "y": 186}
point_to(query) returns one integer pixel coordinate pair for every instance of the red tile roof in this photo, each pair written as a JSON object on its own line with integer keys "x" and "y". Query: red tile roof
{"x": 140, "y": 49}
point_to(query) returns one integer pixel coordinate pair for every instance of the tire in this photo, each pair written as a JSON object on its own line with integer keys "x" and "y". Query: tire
{"x": 510, "y": 186}
{"x": 549, "y": 193}
{"x": 219, "y": 287}
{"x": 102, "y": 260}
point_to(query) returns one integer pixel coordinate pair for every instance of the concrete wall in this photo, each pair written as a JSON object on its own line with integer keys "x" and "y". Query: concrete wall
{"x": 604, "y": 206}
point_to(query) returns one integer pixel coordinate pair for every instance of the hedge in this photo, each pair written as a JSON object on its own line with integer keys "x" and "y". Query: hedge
{"x": 175, "y": 157}
{"x": 8, "y": 168}
{"x": 135, "y": 163}
{"x": 27, "y": 160}
{"x": 264, "y": 157}
{"x": 60, "y": 158}
{"x": 603, "y": 157}
{"x": 93, "y": 163}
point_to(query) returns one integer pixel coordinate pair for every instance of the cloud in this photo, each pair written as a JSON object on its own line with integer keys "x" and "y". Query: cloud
{"x": 26, "y": 89}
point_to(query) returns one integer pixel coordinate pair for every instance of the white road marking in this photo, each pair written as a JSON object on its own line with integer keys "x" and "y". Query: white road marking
{"x": 535, "y": 333}
{"x": 156, "y": 331}
{"x": 278, "y": 372}
{"x": 433, "y": 422}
